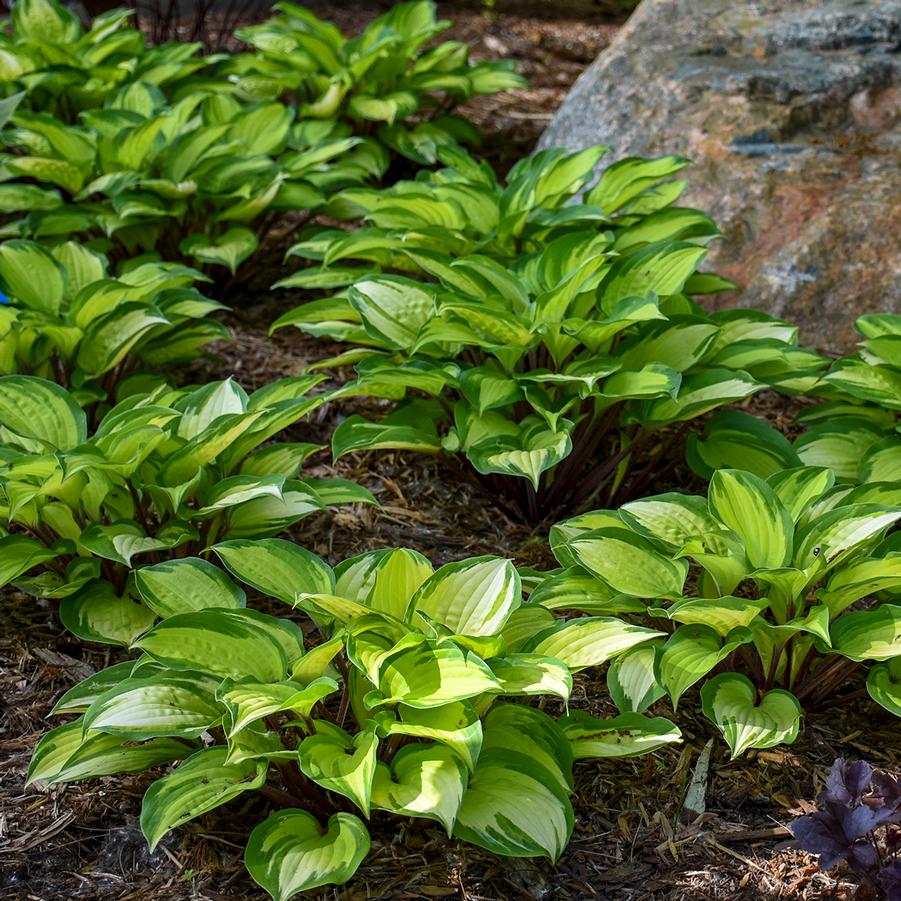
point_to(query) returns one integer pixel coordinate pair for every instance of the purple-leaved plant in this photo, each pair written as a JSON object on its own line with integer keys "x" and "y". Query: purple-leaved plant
{"x": 857, "y": 803}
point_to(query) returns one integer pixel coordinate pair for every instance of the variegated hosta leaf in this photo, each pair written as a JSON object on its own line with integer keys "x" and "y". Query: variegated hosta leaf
{"x": 629, "y": 563}
{"x": 276, "y": 567}
{"x": 470, "y": 597}
{"x": 186, "y": 584}
{"x": 384, "y": 580}
{"x": 626, "y": 735}
{"x": 730, "y": 700}
{"x": 435, "y": 673}
{"x": 422, "y": 781}
{"x": 97, "y": 613}
{"x": 722, "y": 614}
{"x": 248, "y": 701}
{"x": 290, "y": 852}
{"x": 868, "y": 634}
{"x": 456, "y": 725}
{"x": 691, "y": 652}
{"x": 65, "y": 754}
{"x": 220, "y": 641}
{"x": 78, "y": 698}
{"x": 751, "y": 509}
{"x": 532, "y": 674}
{"x": 200, "y": 784}
{"x": 671, "y": 519}
{"x": 514, "y": 804}
{"x": 589, "y": 641}
{"x": 632, "y": 679}
{"x": 156, "y": 705}
{"x": 340, "y": 762}
{"x": 884, "y": 685}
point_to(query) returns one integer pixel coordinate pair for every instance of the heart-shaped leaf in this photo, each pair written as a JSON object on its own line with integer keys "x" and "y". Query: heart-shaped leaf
{"x": 422, "y": 781}
{"x": 730, "y": 701}
{"x": 341, "y": 763}
{"x": 290, "y": 853}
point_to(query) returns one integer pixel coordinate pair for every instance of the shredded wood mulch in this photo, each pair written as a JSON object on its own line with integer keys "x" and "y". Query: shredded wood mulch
{"x": 83, "y": 841}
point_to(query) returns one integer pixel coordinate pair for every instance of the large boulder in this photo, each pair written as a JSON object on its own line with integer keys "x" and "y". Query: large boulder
{"x": 790, "y": 110}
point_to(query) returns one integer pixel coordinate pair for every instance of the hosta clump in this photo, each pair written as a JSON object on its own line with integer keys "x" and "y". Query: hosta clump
{"x": 405, "y": 691}
{"x": 201, "y": 177}
{"x": 383, "y": 81}
{"x": 164, "y": 474}
{"x": 67, "y": 319}
{"x": 464, "y": 209}
{"x": 776, "y": 592}
{"x": 860, "y": 811}
{"x": 65, "y": 69}
{"x": 559, "y": 372}
{"x": 853, "y": 432}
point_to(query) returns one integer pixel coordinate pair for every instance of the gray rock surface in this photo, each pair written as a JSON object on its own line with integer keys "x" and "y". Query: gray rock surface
{"x": 791, "y": 112}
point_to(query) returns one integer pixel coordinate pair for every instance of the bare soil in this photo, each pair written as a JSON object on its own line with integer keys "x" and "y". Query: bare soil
{"x": 82, "y": 841}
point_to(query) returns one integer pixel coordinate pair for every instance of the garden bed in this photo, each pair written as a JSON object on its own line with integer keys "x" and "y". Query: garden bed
{"x": 83, "y": 840}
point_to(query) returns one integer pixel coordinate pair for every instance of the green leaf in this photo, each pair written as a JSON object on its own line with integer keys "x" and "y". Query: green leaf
{"x": 229, "y": 249}
{"x": 40, "y": 410}
{"x": 97, "y": 613}
{"x": 629, "y": 564}
{"x": 751, "y": 509}
{"x": 660, "y": 268}
{"x": 721, "y": 614}
{"x": 383, "y": 580}
{"x": 276, "y": 567}
{"x": 65, "y": 754}
{"x": 456, "y": 725}
{"x": 884, "y": 685}
{"x": 513, "y": 805}
{"x": 78, "y": 698}
{"x": 121, "y": 541}
{"x": 30, "y": 274}
{"x": 470, "y": 597}
{"x": 589, "y": 641}
{"x": 248, "y": 701}
{"x": 19, "y": 553}
{"x": 186, "y": 584}
{"x": 433, "y": 674}
{"x": 632, "y": 680}
{"x": 422, "y": 781}
{"x": 393, "y": 309}
{"x": 340, "y": 763}
{"x": 690, "y": 653}
{"x": 627, "y": 735}
{"x": 356, "y": 433}
{"x": 200, "y": 784}
{"x": 868, "y": 634}
{"x": 156, "y": 706}
{"x": 730, "y": 701}
{"x": 235, "y": 643}
{"x": 532, "y": 674}
{"x": 671, "y": 519}
{"x": 289, "y": 852}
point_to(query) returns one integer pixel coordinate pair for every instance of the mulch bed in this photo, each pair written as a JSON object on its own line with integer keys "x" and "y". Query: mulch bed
{"x": 83, "y": 840}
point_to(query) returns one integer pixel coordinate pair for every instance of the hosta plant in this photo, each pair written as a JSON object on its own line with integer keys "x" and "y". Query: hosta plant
{"x": 464, "y": 209}
{"x": 404, "y": 692}
{"x": 67, "y": 319}
{"x": 775, "y": 593}
{"x": 200, "y": 178}
{"x": 562, "y": 352}
{"x": 382, "y": 82}
{"x": 853, "y": 432}
{"x": 164, "y": 474}
{"x": 64, "y": 69}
